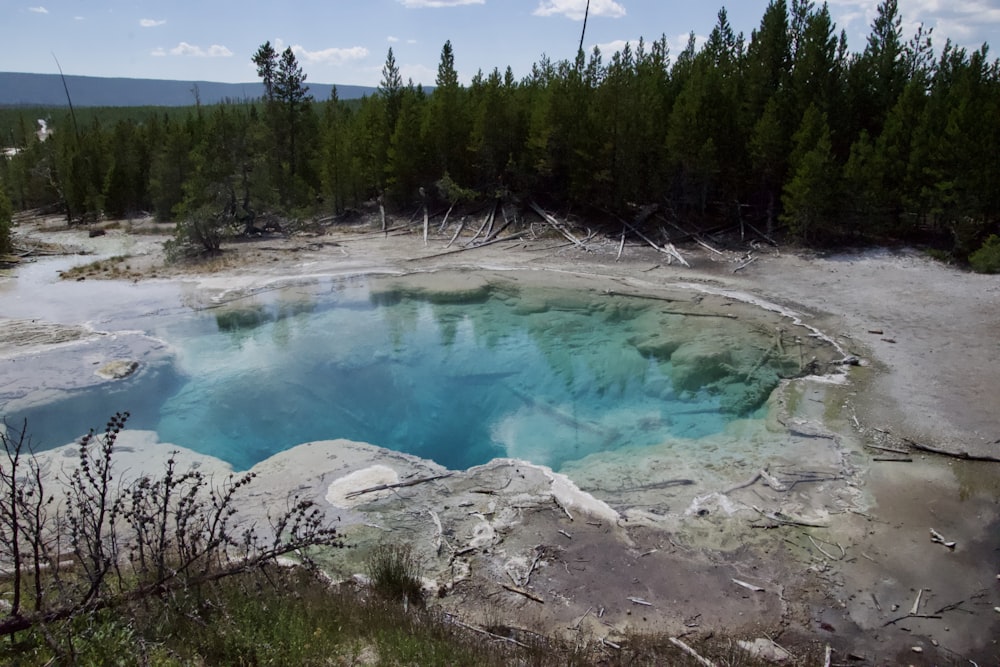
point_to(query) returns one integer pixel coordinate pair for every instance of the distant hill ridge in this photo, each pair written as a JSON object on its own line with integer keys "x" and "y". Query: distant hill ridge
{"x": 46, "y": 90}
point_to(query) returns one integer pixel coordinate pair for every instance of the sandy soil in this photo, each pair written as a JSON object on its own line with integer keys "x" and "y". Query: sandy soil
{"x": 838, "y": 560}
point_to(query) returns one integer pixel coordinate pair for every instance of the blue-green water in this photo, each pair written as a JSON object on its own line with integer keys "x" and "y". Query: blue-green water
{"x": 546, "y": 376}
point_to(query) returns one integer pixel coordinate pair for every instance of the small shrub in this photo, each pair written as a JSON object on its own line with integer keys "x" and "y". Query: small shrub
{"x": 109, "y": 543}
{"x": 394, "y": 571}
{"x": 987, "y": 258}
{"x": 940, "y": 255}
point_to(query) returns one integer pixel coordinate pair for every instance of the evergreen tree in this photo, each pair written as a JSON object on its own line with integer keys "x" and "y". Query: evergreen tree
{"x": 768, "y": 58}
{"x": 169, "y": 169}
{"x": 337, "y": 170}
{"x": 877, "y": 77}
{"x": 266, "y": 60}
{"x": 811, "y": 195}
{"x": 446, "y": 129}
{"x": 292, "y": 96}
{"x": 407, "y": 170}
{"x": 769, "y": 146}
{"x": 390, "y": 88}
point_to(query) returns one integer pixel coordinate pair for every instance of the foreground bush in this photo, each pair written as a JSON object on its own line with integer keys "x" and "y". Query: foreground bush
{"x": 987, "y": 258}
{"x": 95, "y": 544}
{"x": 394, "y": 573}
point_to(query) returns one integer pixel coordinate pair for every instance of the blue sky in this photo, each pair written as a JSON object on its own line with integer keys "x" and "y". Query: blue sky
{"x": 345, "y": 41}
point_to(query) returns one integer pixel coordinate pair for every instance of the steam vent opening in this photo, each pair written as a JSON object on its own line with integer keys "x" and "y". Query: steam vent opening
{"x": 458, "y": 367}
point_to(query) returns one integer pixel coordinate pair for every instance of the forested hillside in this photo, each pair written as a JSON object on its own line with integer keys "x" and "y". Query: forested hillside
{"x": 47, "y": 90}
{"x": 788, "y": 129}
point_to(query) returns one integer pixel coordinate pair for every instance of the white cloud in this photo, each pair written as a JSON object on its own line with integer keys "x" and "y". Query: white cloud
{"x": 609, "y": 48}
{"x": 150, "y": 23}
{"x": 185, "y": 49}
{"x": 957, "y": 19}
{"x": 420, "y": 4}
{"x": 38, "y": 10}
{"x": 393, "y": 40}
{"x": 575, "y": 9}
{"x": 218, "y": 51}
{"x": 331, "y": 56}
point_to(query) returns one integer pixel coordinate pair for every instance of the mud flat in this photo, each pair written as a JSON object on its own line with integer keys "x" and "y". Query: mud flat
{"x": 813, "y": 525}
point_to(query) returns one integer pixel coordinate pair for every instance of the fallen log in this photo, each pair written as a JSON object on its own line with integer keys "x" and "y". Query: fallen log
{"x": 510, "y": 237}
{"x": 938, "y": 538}
{"x": 670, "y": 250}
{"x": 444, "y": 223}
{"x": 499, "y": 230}
{"x": 652, "y": 243}
{"x": 558, "y": 226}
{"x": 891, "y": 450}
{"x": 743, "y": 485}
{"x": 642, "y": 296}
{"x": 752, "y": 587}
{"x": 397, "y": 485}
{"x": 521, "y": 591}
{"x": 763, "y": 235}
{"x": 825, "y": 552}
{"x": 485, "y": 632}
{"x": 691, "y": 652}
{"x": 461, "y": 226}
{"x": 787, "y": 519}
{"x": 527, "y": 577}
{"x": 486, "y": 221}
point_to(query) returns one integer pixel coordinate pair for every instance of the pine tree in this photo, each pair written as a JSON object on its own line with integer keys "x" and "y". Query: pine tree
{"x": 446, "y": 129}
{"x": 810, "y": 196}
{"x": 291, "y": 93}
{"x": 391, "y": 90}
{"x": 406, "y": 170}
{"x": 266, "y": 60}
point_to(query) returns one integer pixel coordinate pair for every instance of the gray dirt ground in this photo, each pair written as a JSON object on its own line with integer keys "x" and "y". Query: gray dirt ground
{"x": 926, "y": 384}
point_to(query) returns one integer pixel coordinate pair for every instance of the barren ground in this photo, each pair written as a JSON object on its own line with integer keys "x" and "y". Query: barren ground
{"x": 609, "y": 559}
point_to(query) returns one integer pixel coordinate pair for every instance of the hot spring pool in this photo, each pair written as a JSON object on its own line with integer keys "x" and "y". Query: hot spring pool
{"x": 450, "y": 367}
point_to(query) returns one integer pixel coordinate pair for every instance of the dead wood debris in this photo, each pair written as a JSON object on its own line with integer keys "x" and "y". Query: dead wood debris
{"x": 691, "y": 652}
{"x": 748, "y": 586}
{"x": 481, "y": 631}
{"x": 398, "y": 485}
{"x": 938, "y": 538}
{"x": 521, "y": 591}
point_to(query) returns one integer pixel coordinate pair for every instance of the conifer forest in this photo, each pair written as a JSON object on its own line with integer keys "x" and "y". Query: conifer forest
{"x": 788, "y": 129}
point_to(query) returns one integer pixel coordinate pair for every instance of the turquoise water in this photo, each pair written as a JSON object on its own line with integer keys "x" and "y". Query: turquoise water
{"x": 545, "y": 376}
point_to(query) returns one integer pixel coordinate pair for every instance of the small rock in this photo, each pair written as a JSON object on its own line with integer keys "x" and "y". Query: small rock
{"x": 767, "y": 650}
{"x": 917, "y": 649}
{"x": 117, "y": 370}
